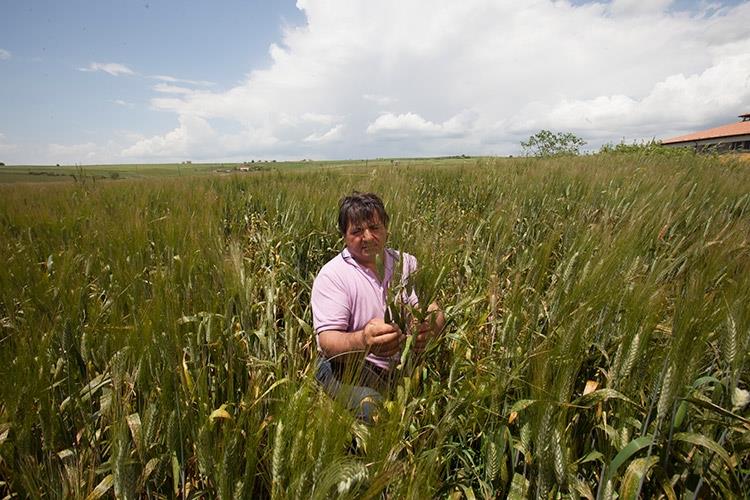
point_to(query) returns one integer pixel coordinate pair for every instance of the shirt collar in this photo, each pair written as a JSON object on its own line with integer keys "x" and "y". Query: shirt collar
{"x": 389, "y": 260}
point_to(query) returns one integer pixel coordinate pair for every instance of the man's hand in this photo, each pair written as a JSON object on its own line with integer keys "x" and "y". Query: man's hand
{"x": 430, "y": 327}
{"x": 381, "y": 338}
{"x": 423, "y": 334}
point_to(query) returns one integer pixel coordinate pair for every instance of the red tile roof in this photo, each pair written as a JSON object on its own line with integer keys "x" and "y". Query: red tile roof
{"x": 739, "y": 128}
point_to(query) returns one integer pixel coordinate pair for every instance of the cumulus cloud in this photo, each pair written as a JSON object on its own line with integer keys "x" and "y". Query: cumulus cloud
{"x": 114, "y": 69}
{"x": 411, "y": 124}
{"x": 186, "y": 140}
{"x": 403, "y": 123}
{"x": 331, "y": 135}
{"x": 477, "y": 76}
{"x": 249, "y": 141}
{"x": 4, "y": 55}
{"x": 676, "y": 103}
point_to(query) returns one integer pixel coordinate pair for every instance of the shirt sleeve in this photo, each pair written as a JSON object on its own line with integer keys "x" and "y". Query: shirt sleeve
{"x": 330, "y": 304}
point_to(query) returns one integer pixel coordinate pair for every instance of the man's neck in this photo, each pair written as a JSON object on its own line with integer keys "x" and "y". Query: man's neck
{"x": 372, "y": 265}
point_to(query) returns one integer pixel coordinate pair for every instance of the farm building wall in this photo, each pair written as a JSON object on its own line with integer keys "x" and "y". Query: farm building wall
{"x": 721, "y": 145}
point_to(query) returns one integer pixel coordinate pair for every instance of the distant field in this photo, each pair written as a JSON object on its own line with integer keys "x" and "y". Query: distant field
{"x": 95, "y": 173}
{"x": 45, "y": 173}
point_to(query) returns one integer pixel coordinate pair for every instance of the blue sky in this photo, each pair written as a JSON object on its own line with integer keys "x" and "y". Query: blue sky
{"x": 41, "y": 89}
{"x": 123, "y": 82}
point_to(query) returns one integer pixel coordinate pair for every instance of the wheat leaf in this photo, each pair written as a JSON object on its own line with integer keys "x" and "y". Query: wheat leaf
{"x": 718, "y": 409}
{"x": 102, "y": 487}
{"x": 147, "y": 470}
{"x": 590, "y": 457}
{"x": 705, "y": 442}
{"x": 522, "y": 404}
{"x": 594, "y": 397}
{"x": 705, "y": 380}
{"x": 175, "y": 474}
{"x": 631, "y": 482}
{"x": 628, "y": 451}
{"x": 134, "y": 424}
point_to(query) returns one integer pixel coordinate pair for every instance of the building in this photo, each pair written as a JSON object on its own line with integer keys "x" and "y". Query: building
{"x": 732, "y": 137}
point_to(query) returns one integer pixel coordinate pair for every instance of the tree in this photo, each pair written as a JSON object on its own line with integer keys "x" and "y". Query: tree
{"x": 546, "y": 143}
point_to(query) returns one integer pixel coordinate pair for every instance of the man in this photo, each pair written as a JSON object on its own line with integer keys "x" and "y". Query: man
{"x": 349, "y": 302}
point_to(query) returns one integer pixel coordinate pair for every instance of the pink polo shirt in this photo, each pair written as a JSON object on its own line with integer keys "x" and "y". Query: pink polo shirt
{"x": 345, "y": 295}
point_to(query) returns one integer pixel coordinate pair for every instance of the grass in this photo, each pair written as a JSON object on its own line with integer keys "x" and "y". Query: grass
{"x": 156, "y": 336}
{"x": 101, "y": 173}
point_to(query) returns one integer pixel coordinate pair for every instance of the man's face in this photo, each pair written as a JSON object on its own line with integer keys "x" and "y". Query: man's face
{"x": 365, "y": 240}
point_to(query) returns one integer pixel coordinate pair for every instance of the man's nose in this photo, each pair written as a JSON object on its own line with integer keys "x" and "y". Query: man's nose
{"x": 367, "y": 234}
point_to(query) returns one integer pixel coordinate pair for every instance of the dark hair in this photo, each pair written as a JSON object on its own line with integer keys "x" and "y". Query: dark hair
{"x": 360, "y": 207}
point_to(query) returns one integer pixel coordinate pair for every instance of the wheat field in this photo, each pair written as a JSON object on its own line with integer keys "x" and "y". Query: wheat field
{"x": 156, "y": 340}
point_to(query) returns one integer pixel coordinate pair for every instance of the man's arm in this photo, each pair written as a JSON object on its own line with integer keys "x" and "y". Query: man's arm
{"x": 377, "y": 337}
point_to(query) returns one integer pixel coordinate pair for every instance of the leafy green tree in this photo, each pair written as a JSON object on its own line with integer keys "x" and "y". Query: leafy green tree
{"x": 546, "y": 143}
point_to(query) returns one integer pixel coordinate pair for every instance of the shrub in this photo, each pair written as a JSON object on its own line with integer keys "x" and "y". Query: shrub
{"x": 546, "y": 143}
{"x": 648, "y": 148}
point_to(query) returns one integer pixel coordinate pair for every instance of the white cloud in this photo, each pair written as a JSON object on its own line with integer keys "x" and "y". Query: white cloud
{"x": 403, "y": 123}
{"x": 171, "y": 89}
{"x": 288, "y": 120}
{"x": 4, "y": 55}
{"x": 475, "y": 76}
{"x": 120, "y": 102}
{"x": 186, "y": 140}
{"x": 674, "y": 104}
{"x": 172, "y": 79}
{"x": 114, "y": 69}
{"x": 329, "y": 136}
{"x": 323, "y": 119}
{"x": 129, "y": 136}
{"x": 249, "y": 141}
{"x": 410, "y": 124}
